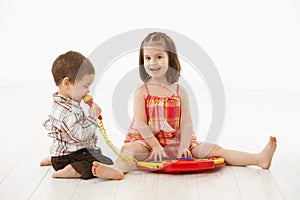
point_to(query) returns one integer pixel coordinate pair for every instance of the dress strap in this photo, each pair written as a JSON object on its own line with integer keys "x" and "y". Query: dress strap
{"x": 177, "y": 90}
{"x": 147, "y": 89}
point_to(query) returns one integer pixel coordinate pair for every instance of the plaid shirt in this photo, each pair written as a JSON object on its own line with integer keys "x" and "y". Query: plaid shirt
{"x": 69, "y": 127}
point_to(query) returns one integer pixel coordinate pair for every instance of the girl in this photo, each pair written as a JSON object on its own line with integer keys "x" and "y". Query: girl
{"x": 162, "y": 125}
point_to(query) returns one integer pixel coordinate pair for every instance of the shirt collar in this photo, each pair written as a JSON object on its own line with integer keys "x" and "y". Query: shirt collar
{"x": 62, "y": 99}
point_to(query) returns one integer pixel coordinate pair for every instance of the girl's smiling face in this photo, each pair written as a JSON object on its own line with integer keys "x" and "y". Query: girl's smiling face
{"x": 156, "y": 61}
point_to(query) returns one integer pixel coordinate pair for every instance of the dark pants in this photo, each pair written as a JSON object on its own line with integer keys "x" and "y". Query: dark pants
{"x": 81, "y": 160}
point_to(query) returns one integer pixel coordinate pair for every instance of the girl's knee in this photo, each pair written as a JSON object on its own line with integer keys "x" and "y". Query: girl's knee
{"x": 208, "y": 150}
{"x": 217, "y": 149}
{"x": 127, "y": 148}
{"x": 136, "y": 150}
{"x": 132, "y": 148}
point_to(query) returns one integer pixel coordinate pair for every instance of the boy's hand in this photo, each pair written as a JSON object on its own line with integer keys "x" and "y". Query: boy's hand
{"x": 95, "y": 137}
{"x": 95, "y": 110}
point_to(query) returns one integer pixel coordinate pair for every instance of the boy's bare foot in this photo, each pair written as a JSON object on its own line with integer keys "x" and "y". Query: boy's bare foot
{"x": 67, "y": 172}
{"x": 46, "y": 161}
{"x": 266, "y": 155}
{"x": 104, "y": 171}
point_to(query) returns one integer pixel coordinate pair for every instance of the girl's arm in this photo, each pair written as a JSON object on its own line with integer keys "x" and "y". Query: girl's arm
{"x": 140, "y": 119}
{"x": 186, "y": 125}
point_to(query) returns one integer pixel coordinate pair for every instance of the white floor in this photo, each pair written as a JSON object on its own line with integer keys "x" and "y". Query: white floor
{"x": 252, "y": 115}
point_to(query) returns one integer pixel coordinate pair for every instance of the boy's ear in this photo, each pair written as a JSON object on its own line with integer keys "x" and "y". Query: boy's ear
{"x": 66, "y": 82}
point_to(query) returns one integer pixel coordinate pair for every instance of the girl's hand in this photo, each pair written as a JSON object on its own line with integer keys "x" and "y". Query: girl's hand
{"x": 95, "y": 110}
{"x": 158, "y": 153}
{"x": 184, "y": 153}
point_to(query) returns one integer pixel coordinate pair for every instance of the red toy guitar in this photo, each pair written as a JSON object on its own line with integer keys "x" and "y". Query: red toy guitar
{"x": 182, "y": 165}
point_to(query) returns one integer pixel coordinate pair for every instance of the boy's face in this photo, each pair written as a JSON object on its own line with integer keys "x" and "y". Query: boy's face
{"x": 81, "y": 87}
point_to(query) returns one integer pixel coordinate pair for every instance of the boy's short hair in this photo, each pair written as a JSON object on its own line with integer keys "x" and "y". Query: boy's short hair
{"x": 73, "y": 65}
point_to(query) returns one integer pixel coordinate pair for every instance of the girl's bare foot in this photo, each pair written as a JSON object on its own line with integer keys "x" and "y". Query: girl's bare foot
{"x": 67, "y": 172}
{"x": 104, "y": 171}
{"x": 266, "y": 155}
{"x": 46, "y": 161}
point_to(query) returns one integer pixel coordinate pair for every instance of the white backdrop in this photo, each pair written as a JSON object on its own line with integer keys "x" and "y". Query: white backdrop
{"x": 254, "y": 44}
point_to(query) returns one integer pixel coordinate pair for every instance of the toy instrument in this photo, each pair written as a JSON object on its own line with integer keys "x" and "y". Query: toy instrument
{"x": 181, "y": 165}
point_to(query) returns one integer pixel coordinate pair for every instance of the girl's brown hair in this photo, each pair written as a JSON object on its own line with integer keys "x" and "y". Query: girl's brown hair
{"x": 163, "y": 40}
{"x": 72, "y": 65}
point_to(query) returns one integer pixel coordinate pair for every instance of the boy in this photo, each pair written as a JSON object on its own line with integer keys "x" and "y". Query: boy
{"x": 74, "y": 139}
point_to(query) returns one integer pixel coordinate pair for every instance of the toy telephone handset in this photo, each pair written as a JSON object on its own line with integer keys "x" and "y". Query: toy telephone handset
{"x": 88, "y": 99}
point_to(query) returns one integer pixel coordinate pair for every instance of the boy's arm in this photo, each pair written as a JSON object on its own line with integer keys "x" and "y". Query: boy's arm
{"x": 79, "y": 128}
